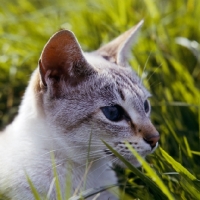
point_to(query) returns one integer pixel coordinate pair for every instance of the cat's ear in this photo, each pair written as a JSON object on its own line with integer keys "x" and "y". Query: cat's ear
{"x": 118, "y": 49}
{"x": 62, "y": 58}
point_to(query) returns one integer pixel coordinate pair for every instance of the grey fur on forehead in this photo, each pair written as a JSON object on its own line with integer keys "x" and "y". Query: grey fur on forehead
{"x": 102, "y": 66}
{"x": 108, "y": 70}
{"x": 109, "y": 85}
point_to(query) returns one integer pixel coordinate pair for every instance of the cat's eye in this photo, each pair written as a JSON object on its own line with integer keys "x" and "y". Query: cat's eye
{"x": 113, "y": 113}
{"x": 146, "y": 106}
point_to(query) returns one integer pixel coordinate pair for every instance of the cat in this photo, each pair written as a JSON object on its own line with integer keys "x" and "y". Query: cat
{"x": 75, "y": 100}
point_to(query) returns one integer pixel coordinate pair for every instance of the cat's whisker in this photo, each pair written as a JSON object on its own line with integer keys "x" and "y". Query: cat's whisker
{"x": 110, "y": 161}
{"x": 93, "y": 154}
{"x": 96, "y": 160}
{"x": 68, "y": 148}
{"x": 154, "y": 84}
{"x": 154, "y": 72}
{"x": 145, "y": 66}
{"x": 93, "y": 161}
{"x": 103, "y": 165}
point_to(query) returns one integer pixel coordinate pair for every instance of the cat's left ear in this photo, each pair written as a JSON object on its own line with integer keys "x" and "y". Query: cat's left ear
{"x": 118, "y": 49}
{"x": 63, "y": 59}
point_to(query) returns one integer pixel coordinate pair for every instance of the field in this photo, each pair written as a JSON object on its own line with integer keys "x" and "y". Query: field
{"x": 166, "y": 56}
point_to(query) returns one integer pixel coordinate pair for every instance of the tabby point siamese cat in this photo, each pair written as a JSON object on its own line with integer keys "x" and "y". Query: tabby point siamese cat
{"x": 75, "y": 100}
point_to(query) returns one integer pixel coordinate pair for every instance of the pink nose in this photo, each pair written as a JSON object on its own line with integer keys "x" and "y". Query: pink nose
{"x": 152, "y": 140}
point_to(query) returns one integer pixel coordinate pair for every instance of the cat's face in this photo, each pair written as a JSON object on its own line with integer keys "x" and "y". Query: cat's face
{"x": 89, "y": 97}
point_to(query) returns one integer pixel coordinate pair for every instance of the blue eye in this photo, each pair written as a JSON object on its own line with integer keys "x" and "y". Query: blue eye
{"x": 113, "y": 113}
{"x": 146, "y": 106}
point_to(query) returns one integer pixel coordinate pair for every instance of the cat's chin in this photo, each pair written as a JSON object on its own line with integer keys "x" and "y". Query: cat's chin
{"x": 132, "y": 161}
{"x": 135, "y": 163}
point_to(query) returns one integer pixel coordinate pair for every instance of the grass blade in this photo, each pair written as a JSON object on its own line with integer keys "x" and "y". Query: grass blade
{"x": 33, "y": 189}
{"x": 151, "y": 183}
{"x": 177, "y": 166}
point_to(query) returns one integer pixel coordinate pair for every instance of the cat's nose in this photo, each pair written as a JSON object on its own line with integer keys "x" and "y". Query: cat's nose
{"x": 152, "y": 140}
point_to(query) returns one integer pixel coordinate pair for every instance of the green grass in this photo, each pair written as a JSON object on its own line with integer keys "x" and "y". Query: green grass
{"x": 168, "y": 46}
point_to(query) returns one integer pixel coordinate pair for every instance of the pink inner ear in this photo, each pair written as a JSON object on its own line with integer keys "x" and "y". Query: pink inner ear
{"x": 60, "y": 55}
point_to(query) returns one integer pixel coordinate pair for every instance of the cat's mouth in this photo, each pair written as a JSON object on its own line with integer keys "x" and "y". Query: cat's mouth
{"x": 127, "y": 155}
{"x": 123, "y": 150}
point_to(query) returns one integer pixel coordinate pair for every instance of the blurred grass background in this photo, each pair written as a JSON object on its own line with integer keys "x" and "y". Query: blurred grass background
{"x": 167, "y": 47}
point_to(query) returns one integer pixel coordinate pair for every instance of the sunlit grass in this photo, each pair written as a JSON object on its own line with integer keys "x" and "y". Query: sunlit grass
{"x": 168, "y": 46}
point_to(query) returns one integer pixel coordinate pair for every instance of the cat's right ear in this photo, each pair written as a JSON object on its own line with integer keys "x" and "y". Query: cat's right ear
{"x": 62, "y": 59}
{"x": 118, "y": 49}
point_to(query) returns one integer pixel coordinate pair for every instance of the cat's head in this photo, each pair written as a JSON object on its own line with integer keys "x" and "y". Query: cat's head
{"x": 95, "y": 94}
